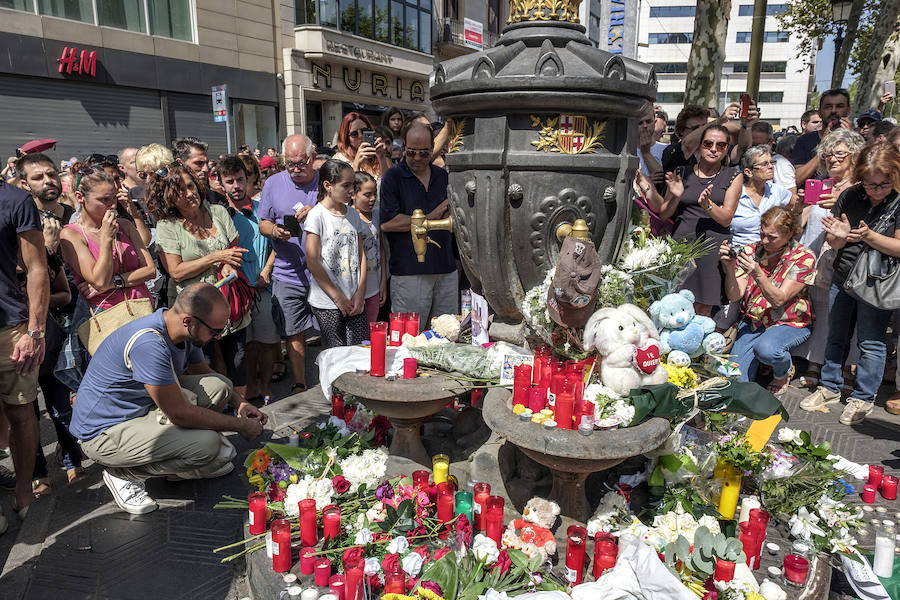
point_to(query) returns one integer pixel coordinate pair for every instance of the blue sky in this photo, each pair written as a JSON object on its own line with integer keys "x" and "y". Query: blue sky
{"x": 825, "y": 64}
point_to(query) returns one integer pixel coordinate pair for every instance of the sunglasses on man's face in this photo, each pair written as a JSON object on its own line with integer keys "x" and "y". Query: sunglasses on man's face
{"x": 422, "y": 153}
{"x": 708, "y": 144}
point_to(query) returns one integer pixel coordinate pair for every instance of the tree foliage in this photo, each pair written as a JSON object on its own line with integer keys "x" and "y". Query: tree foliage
{"x": 811, "y": 21}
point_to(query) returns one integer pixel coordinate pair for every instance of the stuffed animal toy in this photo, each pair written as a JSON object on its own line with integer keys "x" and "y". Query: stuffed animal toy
{"x": 679, "y": 327}
{"x": 628, "y": 345}
{"x": 532, "y": 534}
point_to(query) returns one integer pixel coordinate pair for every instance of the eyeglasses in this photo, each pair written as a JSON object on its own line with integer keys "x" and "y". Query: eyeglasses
{"x": 422, "y": 153}
{"x": 161, "y": 172}
{"x": 836, "y": 155}
{"x": 85, "y": 171}
{"x": 877, "y": 186}
{"x": 763, "y": 165}
{"x": 217, "y": 333}
{"x": 101, "y": 158}
{"x": 708, "y": 144}
{"x": 297, "y": 164}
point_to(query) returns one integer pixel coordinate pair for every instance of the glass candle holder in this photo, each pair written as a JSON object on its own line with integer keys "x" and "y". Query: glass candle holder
{"x": 482, "y": 492}
{"x": 796, "y": 569}
{"x": 322, "y": 571}
{"x": 307, "y": 560}
{"x": 576, "y": 539}
{"x": 331, "y": 521}
{"x": 730, "y": 479}
{"x": 889, "y": 487}
{"x": 337, "y": 403}
{"x": 377, "y": 348}
{"x": 420, "y": 478}
{"x": 605, "y": 554}
{"x": 537, "y": 399}
{"x": 309, "y": 529}
{"x": 395, "y": 583}
{"x": 463, "y": 505}
{"x": 410, "y": 366}
{"x": 353, "y": 579}
{"x": 749, "y": 539}
{"x": 493, "y": 527}
{"x": 868, "y": 493}
{"x": 336, "y": 586}
{"x": 564, "y": 410}
{"x": 412, "y": 323}
{"x": 876, "y": 473}
{"x": 257, "y": 512}
{"x": 724, "y": 570}
{"x": 440, "y": 466}
{"x": 445, "y": 507}
{"x": 398, "y": 328}
{"x": 281, "y": 545}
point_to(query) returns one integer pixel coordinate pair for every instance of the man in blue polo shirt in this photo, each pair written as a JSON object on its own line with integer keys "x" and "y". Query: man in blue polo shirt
{"x": 430, "y": 288}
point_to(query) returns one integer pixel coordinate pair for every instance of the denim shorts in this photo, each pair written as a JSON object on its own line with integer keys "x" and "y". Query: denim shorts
{"x": 294, "y": 306}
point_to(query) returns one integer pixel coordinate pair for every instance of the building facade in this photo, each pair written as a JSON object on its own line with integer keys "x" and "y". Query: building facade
{"x": 666, "y": 31}
{"x": 101, "y": 76}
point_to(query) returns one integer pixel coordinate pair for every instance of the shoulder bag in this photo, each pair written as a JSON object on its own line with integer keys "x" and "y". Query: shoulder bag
{"x": 875, "y": 276}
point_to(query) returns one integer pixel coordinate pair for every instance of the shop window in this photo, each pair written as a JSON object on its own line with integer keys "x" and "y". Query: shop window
{"x": 381, "y": 20}
{"x": 123, "y": 14}
{"x": 171, "y": 18}
{"x": 77, "y": 10}
{"x": 256, "y": 125}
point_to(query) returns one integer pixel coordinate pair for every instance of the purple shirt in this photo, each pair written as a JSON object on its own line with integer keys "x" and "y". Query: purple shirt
{"x": 280, "y": 197}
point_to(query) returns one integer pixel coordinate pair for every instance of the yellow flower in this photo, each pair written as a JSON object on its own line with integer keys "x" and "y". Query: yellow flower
{"x": 753, "y": 596}
{"x": 294, "y": 478}
{"x": 397, "y": 597}
{"x": 428, "y": 594}
{"x": 258, "y": 481}
{"x": 683, "y": 377}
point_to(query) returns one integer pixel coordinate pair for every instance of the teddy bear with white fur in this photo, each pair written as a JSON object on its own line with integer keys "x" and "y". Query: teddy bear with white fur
{"x": 532, "y": 534}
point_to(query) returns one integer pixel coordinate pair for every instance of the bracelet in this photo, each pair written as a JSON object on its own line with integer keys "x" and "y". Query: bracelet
{"x": 646, "y": 189}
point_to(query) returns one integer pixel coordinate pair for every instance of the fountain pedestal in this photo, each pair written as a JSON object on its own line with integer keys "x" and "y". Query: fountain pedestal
{"x": 407, "y": 403}
{"x": 570, "y": 456}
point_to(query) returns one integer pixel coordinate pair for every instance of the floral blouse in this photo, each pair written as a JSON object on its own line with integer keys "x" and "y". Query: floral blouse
{"x": 797, "y": 263}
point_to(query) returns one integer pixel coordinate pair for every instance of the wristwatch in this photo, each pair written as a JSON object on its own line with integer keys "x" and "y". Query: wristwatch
{"x": 36, "y": 334}
{"x": 118, "y": 281}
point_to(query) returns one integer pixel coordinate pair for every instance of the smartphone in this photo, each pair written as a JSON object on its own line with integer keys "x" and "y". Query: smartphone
{"x": 812, "y": 189}
{"x": 745, "y": 106}
{"x": 292, "y": 225}
{"x": 890, "y": 87}
{"x": 369, "y": 137}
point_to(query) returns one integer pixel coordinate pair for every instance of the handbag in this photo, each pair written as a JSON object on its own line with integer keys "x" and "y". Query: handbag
{"x": 96, "y": 329}
{"x": 875, "y": 276}
{"x": 240, "y": 296}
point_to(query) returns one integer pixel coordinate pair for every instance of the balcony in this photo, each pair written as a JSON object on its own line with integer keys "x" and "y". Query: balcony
{"x": 450, "y": 41}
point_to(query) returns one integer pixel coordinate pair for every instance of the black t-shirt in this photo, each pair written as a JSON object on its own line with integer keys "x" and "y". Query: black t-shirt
{"x": 18, "y": 214}
{"x": 805, "y": 148}
{"x": 854, "y": 203}
{"x": 214, "y": 197}
{"x": 673, "y": 157}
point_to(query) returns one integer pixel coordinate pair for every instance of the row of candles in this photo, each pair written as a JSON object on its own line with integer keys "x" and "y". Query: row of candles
{"x": 752, "y": 525}
{"x": 390, "y": 333}
{"x": 879, "y": 481}
{"x": 551, "y": 385}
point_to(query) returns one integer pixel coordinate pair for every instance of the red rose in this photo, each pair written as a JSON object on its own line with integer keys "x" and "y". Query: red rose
{"x": 441, "y": 553}
{"x": 375, "y": 582}
{"x": 391, "y": 563}
{"x": 353, "y": 556}
{"x": 340, "y": 484}
{"x": 504, "y": 562}
{"x": 423, "y": 552}
{"x": 464, "y": 530}
{"x": 276, "y": 492}
{"x": 411, "y": 583}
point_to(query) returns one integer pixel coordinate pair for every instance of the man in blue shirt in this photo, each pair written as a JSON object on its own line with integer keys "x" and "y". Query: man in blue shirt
{"x": 149, "y": 405}
{"x": 430, "y": 288}
{"x": 834, "y": 108}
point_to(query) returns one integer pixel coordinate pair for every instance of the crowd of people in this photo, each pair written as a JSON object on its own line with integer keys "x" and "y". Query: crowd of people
{"x": 302, "y": 242}
{"x": 787, "y": 220}
{"x": 316, "y": 241}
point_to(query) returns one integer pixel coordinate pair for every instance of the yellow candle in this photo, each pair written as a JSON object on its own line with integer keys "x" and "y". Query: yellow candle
{"x": 731, "y": 490}
{"x": 440, "y": 465}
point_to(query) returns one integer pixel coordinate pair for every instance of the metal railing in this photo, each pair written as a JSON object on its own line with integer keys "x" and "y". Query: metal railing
{"x": 450, "y": 31}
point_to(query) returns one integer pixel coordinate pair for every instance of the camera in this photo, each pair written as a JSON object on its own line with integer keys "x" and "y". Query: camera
{"x": 734, "y": 249}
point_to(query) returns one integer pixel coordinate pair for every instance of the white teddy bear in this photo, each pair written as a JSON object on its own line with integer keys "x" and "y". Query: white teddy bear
{"x": 628, "y": 345}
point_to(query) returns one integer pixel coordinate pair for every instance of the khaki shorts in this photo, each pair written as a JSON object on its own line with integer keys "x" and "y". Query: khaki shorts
{"x": 15, "y": 388}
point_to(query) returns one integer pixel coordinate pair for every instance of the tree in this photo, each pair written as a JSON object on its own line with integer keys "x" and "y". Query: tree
{"x": 882, "y": 59}
{"x": 707, "y": 57}
{"x": 850, "y": 36}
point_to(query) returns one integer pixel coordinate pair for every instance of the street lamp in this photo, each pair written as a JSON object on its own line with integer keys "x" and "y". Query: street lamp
{"x": 840, "y": 12}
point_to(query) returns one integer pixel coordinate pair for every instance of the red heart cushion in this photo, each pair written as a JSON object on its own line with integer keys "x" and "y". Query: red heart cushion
{"x": 647, "y": 358}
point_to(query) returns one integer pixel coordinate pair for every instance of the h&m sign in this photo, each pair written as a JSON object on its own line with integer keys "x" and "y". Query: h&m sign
{"x": 379, "y": 84}
{"x": 70, "y": 61}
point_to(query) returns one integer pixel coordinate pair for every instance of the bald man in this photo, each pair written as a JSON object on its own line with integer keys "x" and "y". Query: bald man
{"x": 150, "y": 406}
{"x": 291, "y": 193}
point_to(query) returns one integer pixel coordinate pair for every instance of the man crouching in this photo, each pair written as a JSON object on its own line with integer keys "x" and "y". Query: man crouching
{"x": 149, "y": 405}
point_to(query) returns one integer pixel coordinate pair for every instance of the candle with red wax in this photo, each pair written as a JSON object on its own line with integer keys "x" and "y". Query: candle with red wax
{"x": 322, "y": 570}
{"x": 309, "y": 530}
{"x": 395, "y": 583}
{"x": 331, "y": 521}
{"x": 378, "y": 341}
{"x": 759, "y": 522}
{"x": 337, "y": 403}
{"x": 562, "y": 414}
{"x": 412, "y": 323}
{"x": 889, "y": 487}
{"x": 482, "y": 492}
{"x": 257, "y": 512}
{"x": 537, "y": 399}
{"x": 605, "y": 554}
{"x": 398, "y": 328}
{"x": 410, "y": 366}
{"x": 868, "y": 494}
{"x": 749, "y": 537}
{"x": 445, "y": 504}
{"x": 546, "y": 375}
{"x": 796, "y": 568}
{"x": 575, "y": 553}
{"x": 493, "y": 523}
{"x": 307, "y": 560}
{"x": 556, "y": 387}
{"x": 336, "y": 585}
{"x": 724, "y": 570}
{"x": 353, "y": 577}
{"x": 876, "y": 473}
{"x": 281, "y": 545}
{"x": 420, "y": 478}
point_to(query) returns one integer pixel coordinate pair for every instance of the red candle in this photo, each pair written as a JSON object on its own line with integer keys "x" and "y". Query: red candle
{"x": 520, "y": 393}
{"x": 546, "y": 375}
{"x": 493, "y": 525}
{"x": 398, "y": 328}
{"x": 624, "y": 489}
{"x": 331, "y": 521}
{"x": 537, "y": 399}
{"x": 605, "y": 554}
{"x": 556, "y": 388}
{"x": 410, "y": 365}
{"x": 759, "y": 522}
{"x": 412, "y": 323}
{"x": 378, "y": 340}
{"x": 323, "y": 570}
{"x": 337, "y": 402}
{"x": 577, "y": 537}
{"x": 307, "y": 560}
{"x": 395, "y": 583}
{"x": 563, "y": 411}
{"x": 309, "y": 530}
{"x": 876, "y": 473}
{"x": 796, "y": 568}
{"x": 336, "y": 585}
{"x": 353, "y": 583}
{"x": 748, "y": 537}
{"x": 724, "y": 570}
{"x": 868, "y": 495}
{"x": 420, "y": 478}
{"x": 257, "y": 513}
{"x": 281, "y": 545}
{"x": 482, "y": 492}
{"x": 889, "y": 487}
{"x": 445, "y": 507}
{"x": 537, "y": 369}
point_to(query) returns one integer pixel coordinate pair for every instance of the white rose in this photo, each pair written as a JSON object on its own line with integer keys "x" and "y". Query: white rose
{"x": 493, "y": 594}
{"x": 711, "y": 523}
{"x": 788, "y": 435}
{"x": 770, "y": 591}
{"x": 372, "y": 566}
{"x": 485, "y": 549}
{"x": 398, "y": 545}
{"x": 666, "y": 526}
{"x": 363, "y": 537}
{"x": 412, "y": 564}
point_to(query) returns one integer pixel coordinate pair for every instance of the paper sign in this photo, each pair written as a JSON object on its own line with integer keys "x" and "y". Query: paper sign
{"x": 760, "y": 432}
{"x": 510, "y": 361}
{"x": 479, "y": 320}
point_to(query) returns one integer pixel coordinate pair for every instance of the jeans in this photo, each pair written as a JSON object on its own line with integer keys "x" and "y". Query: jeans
{"x": 871, "y": 328}
{"x": 767, "y": 345}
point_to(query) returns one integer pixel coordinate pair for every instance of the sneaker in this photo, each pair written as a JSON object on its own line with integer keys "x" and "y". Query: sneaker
{"x": 131, "y": 496}
{"x": 820, "y": 397}
{"x": 7, "y": 479}
{"x": 855, "y": 411}
{"x": 893, "y": 403}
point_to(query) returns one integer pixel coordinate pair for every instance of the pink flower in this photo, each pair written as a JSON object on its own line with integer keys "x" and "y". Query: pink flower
{"x": 423, "y": 499}
{"x": 423, "y": 552}
{"x": 430, "y": 585}
{"x": 464, "y": 530}
{"x": 340, "y": 484}
{"x": 441, "y": 553}
{"x": 353, "y": 556}
{"x": 504, "y": 562}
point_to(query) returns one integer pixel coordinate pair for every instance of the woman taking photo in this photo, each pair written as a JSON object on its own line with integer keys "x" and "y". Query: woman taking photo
{"x": 362, "y": 155}
{"x": 847, "y": 230}
{"x": 702, "y": 199}
{"x": 837, "y": 154}
{"x": 770, "y": 278}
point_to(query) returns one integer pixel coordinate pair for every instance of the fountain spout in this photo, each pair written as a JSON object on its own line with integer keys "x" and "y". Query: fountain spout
{"x": 419, "y": 228}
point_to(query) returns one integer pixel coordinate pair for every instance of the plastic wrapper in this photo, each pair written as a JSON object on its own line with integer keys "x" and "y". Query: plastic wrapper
{"x": 469, "y": 360}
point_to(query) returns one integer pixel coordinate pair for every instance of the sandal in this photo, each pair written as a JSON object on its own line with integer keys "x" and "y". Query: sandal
{"x": 778, "y": 390}
{"x": 278, "y": 371}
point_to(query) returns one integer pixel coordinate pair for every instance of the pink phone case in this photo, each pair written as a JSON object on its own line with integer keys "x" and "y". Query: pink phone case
{"x": 812, "y": 189}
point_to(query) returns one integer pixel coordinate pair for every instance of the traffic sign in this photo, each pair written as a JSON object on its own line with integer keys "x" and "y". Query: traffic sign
{"x": 220, "y": 103}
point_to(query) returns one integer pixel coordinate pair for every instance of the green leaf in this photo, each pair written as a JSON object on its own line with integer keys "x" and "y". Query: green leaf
{"x": 534, "y": 564}
{"x": 444, "y": 573}
{"x": 656, "y": 478}
{"x": 518, "y": 558}
{"x": 670, "y": 462}
{"x": 294, "y": 457}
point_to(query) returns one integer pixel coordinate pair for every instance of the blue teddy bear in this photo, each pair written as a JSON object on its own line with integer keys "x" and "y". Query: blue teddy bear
{"x": 679, "y": 327}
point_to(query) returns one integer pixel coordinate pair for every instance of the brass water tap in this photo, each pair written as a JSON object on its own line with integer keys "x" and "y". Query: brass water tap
{"x": 419, "y": 228}
{"x": 578, "y": 230}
